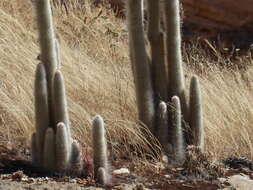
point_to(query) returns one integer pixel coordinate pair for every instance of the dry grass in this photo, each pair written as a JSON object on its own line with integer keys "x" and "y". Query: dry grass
{"x": 98, "y": 78}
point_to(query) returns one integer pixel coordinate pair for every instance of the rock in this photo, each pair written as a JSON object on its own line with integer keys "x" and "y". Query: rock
{"x": 121, "y": 171}
{"x": 222, "y": 180}
{"x": 241, "y": 182}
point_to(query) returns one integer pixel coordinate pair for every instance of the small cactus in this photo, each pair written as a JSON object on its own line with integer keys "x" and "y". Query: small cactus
{"x": 100, "y": 159}
{"x": 101, "y": 176}
{"x": 49, "y": 156}
{"x": 196, "y": 115}
{"x": 162, "y": 131}
{"x": 177, "y": 133}
{"x": 76, "y": 159}
{"x": 60, "y": 101}
{"x": 62, "y": 151}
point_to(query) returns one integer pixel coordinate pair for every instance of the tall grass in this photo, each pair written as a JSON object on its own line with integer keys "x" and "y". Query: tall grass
{"x": 98, "y": 78}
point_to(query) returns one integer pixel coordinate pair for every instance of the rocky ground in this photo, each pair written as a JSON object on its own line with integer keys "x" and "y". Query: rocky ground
{"x": 196, "y": 173}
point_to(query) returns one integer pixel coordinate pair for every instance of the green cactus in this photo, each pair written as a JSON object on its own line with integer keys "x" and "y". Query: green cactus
{"x": 196, "y": 115}
{"x": 99, "y": 147}
{"x": 166, "y": 80}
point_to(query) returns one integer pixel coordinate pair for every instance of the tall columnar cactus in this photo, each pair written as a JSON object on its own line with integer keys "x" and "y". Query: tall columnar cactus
{"x": 162, "y": 78}
{"x": 140, "y": 65}
{"x": 155, "y": 36}
{"x": 53, "y": 149}
{"x": 47, "y": 46}
{"x": 100, "y": 160}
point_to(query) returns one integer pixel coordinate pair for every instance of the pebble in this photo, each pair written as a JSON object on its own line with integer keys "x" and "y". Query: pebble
{"x": 121, "y": 171}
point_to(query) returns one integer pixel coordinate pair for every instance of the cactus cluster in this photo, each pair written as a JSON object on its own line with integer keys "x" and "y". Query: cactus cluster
{"x": 53, "y": 148}
{"x": 159, "y": 79}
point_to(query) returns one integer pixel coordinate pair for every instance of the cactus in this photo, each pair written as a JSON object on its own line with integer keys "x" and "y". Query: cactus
{"x": 49, "y": 151}
{"x": 140, "y": 65}
{"x": 101, "y": 176}
{"x": 166, "y": 82}
{"x": 177, "y": 133}
{"x": 60, "y": 101}
{"x": 41, "y": 109}
{"x": 52, "y": 147}
{"x": 47, "y": 46}
{"x": 155, "y": 37}
{"x": 33, "y": 149}
{"x": 57, "y": 49}
{"x": 76, "y": 159}
{"x": 173, "y": 51}
{"x": 99, "y": 149}
{"x": 62, "y": 151}
{"x": 162, "y": 132}
{"x": 196, "y": 115}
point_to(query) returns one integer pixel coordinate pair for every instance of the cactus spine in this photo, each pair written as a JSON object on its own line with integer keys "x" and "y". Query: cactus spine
{"x": 196, "y": 115}
{"x": 99, "y": 149}
{"x": 166, "y": 80}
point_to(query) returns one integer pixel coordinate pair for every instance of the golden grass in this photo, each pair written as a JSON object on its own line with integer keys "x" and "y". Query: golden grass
{"x": 98, "y": 79}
